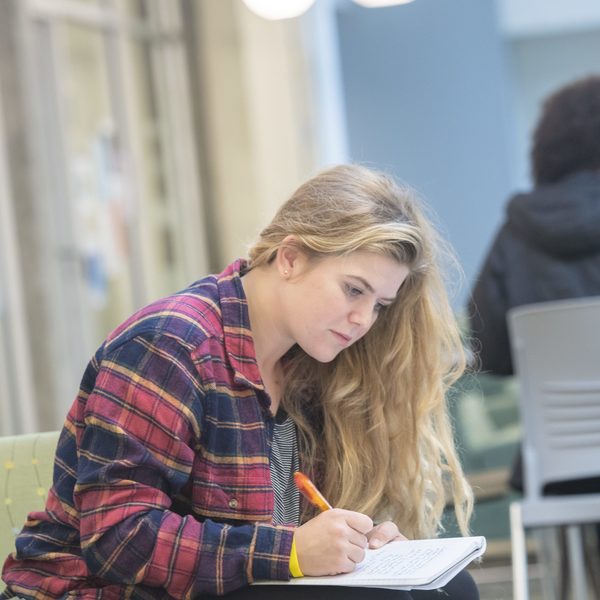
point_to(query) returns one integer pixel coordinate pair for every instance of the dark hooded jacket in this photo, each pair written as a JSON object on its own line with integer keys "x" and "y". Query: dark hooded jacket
{"x": 547, "y": 249}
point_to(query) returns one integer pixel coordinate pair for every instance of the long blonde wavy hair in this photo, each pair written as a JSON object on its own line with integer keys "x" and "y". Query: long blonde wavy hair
{"x": 373, "y": 424}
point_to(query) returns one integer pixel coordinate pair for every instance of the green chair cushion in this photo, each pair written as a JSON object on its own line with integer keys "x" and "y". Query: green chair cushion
{"x": 26, "y": 464}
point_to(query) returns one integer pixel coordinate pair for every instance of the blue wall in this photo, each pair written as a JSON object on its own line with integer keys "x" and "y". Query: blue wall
{"x": 427, "y": 99}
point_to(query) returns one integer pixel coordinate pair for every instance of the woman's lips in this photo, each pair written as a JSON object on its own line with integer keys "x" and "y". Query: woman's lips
{"x": 344, "y": 339}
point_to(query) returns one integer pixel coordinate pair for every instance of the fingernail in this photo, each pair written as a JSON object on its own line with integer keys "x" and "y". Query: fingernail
{"x": 376, "y": 543}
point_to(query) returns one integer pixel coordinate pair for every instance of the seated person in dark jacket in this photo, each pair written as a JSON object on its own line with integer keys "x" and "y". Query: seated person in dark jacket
{"x": 548, "y": 248}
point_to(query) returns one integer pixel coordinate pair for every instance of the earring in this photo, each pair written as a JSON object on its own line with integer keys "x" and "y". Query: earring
{"x": 286, "y": 272}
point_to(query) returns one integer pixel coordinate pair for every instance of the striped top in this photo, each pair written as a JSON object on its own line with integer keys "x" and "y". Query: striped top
{"x": 162, "y": 481}
{"x": 284, "y": 461}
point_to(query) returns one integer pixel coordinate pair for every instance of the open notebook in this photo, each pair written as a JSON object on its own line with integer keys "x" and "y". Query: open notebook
{"x": 415, "y": 564}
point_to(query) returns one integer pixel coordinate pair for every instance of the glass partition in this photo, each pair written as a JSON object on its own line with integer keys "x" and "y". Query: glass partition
{"x": 117, "y": 172}
{"x": 100, "y": 209}
{"x": 17, "y": 414}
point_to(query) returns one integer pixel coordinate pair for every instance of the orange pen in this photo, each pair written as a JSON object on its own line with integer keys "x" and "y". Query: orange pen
{"x": 309, "y": 490}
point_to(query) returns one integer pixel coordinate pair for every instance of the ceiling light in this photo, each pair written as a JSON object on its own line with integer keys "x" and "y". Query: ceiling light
{"x": 380, "y": 3}
{"x": 278, "y": 9}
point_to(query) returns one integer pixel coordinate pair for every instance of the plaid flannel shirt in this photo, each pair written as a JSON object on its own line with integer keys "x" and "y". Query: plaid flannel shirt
{"x": 161, "y": 480}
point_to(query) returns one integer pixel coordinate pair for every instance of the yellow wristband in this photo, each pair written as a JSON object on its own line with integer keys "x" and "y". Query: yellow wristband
{"x": 295, "y": 570}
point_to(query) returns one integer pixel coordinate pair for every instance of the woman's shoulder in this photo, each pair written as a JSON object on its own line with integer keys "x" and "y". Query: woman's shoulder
{"x": 190, "y": 317}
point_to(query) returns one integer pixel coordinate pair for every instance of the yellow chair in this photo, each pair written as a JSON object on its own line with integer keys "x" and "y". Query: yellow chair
{"x": 26, "y": 463}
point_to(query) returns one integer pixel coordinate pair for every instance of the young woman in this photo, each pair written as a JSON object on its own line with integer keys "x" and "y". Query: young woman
{"x": 329, "y": 350}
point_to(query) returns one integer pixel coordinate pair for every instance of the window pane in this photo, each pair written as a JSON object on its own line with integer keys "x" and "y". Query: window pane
{"x": 162, "y": 219}
{"x": 100, "y": 210}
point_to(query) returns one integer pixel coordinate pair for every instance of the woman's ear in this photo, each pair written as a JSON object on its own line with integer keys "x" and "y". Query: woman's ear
{"x": 289, "y": 257}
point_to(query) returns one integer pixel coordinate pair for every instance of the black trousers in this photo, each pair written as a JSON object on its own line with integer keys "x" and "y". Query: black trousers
{"x": 462, "y": 587}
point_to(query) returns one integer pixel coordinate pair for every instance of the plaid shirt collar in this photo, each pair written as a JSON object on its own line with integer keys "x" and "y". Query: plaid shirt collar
{"x": 238, "y": 339}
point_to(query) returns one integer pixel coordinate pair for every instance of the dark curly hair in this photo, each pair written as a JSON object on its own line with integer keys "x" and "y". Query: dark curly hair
{"x": 567, "y": 136}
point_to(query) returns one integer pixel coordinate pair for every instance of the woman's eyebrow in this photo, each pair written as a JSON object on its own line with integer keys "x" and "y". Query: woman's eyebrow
{"x": 369, "y": 287}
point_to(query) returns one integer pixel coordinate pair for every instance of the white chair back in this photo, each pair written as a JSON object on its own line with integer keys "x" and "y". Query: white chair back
{"x": 556, "y": 352}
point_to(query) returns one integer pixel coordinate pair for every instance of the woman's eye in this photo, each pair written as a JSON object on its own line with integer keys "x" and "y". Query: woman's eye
{"x": 379, "y": 307}
{"x": 353, "y": 291}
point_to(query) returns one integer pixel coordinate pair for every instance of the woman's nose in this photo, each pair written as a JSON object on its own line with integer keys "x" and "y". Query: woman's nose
{"x": 362, "y": 314}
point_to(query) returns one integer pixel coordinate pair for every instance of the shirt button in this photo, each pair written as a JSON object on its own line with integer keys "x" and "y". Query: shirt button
{"x": 233, "y": 503}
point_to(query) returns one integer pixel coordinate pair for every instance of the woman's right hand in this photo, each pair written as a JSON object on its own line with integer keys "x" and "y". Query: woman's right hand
{"x": 333, "y": 542}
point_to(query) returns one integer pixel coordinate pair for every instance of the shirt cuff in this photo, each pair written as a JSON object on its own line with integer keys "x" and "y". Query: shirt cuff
{"x": 270, "y": 552}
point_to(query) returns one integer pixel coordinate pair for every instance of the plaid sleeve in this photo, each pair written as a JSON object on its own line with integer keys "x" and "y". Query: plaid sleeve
{"x": 136, "y": 452}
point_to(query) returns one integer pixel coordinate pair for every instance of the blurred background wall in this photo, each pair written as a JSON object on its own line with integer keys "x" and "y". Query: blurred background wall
{"x": 143, "y": 143}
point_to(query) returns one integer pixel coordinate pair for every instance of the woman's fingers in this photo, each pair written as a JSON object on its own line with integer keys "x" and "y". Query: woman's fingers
{"x": 383, "y": 533}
